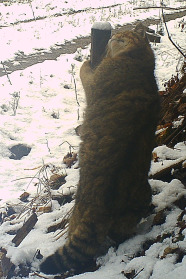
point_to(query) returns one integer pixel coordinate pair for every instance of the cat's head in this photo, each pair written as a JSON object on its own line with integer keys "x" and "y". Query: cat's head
{"x": 128, "y": 41}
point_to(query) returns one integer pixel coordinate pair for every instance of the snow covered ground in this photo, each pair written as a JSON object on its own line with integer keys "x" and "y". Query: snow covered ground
{"x": 75, "y": 20}
{"x": 40, "y": 109}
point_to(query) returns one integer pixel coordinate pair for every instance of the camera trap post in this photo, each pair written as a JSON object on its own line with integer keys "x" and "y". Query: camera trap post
{"x": 100, "y": 35}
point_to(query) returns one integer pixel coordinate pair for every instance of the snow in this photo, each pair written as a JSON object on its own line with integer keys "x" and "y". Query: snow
{"x": 101, "y": 26}
{"x": 42, "y": 96}
{"x": 169, "y": 193}
{"x": 54, "y": 29}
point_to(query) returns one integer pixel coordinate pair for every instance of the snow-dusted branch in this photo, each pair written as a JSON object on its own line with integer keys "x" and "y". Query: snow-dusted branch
{"x": 163, "y": 16}
{"x": 30, "y": 3}
{"x": 160, "y": 7}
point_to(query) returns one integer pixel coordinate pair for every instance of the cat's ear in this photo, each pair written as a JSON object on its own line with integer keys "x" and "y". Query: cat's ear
{"x": 141, "y": 30}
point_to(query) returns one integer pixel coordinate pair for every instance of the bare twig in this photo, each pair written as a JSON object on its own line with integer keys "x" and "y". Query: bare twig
{"x": 30, "y": 3}
{"x": 48, "y": 146}
{"x": 15, "y": 101}
{"x": 64, "y": 224}
{"x": 70, "y": 146}
{"x": 163, "y": 16}
{"x": 21, "y": 178}
{"x": 40, "y": 276}
{"x": 175, "y": 134}
{"x": 75, "y": 87}
{"x": 78, "y": 113}
{"x": 132, "y": 274}
{"x": 138, "y": 273}
{"x": 164, "y": 21}
{"x": 40, "y": 79}
{"x": 6, "y": 72}
{"x": 43, "y": 196}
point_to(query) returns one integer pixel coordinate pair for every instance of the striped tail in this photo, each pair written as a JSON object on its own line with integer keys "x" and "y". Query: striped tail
{"x": 68, "y": 258}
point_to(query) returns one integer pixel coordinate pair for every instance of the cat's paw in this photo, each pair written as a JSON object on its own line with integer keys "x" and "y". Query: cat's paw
{"x": 51, "y": 266}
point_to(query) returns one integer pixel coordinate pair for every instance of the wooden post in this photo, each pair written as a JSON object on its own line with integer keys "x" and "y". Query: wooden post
{"x": 100, "y": 35}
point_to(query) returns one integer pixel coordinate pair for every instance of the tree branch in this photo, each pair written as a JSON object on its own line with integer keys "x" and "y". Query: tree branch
{"x": 154, "y": 7}
{"x": 163, "y": 16}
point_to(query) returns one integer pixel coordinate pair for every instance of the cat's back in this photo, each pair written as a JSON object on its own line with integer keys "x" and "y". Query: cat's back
{"x": 122, "y": 104}
{"x": 123, "y": 86}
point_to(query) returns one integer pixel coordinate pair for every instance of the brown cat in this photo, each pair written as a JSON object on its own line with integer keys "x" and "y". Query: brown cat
{"x": 115, "y": 154}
